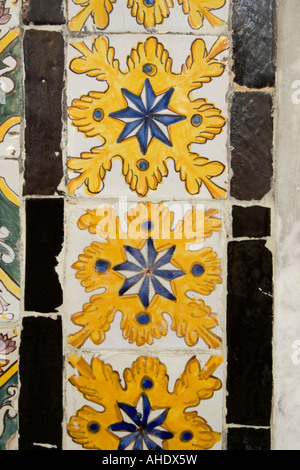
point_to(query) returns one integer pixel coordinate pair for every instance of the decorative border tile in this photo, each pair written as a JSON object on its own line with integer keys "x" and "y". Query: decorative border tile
{"x": 9, "y": 389}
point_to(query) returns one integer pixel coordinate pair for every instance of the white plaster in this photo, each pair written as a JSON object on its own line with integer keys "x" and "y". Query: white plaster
{"x": 286, "y": 416}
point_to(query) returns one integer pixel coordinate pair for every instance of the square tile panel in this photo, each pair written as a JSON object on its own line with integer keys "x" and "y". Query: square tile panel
{"x": 128, "y": 402}
{"x": 155, "y": 15}
{"x": 147, "y": 116}
{"x": 8, "y": 389}
{"x": 144, "y": 275}
{"x": 9, "y": 241}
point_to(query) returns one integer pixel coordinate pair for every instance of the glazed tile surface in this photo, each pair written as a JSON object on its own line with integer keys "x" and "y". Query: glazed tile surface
{"x": 145, "y": 401}
{"x": 9, "y": 241}
{"x": 10, "y": 93}
{"x": 149, "y": 264}
{"x": 154, "y": 122}
{"x": 8, "y": 389}
{"x": 138, "y": 15}
{"x": 136, "y": 224}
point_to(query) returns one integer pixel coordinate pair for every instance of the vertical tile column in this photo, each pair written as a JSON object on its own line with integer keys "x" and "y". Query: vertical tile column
{"x": 10, "y": 234}
{"x": 41, "y": 353}
{"x": 145, "y": 226}
{"x": 250, "y": 263}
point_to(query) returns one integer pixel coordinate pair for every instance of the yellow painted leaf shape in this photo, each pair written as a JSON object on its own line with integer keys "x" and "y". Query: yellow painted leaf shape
{"x": 201, "y": 65}
{"x": 203, "y": 437}
{"x": 196, "y": 226}
{"x": 204, "y": 284}
{"x": 197, "y": 383}
{"x": 143, "y": 334}
{"x": 148, "y": 368}
{"x": 150, "y": 15}
{"x": 99, "y": 61}
{"x": 198, "y": 9}
{"x": 95, "y": 319}
{"x": 99, "y": 9}
{"x": 92, "y": 167}
{"x": 193, "y": 319}
{"x": 98, "y": 382}
{"x": 79, "y": 430}
{"x": 201, "y": 171}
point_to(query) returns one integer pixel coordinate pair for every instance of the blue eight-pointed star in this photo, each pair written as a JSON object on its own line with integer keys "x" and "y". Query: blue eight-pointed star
{"x": 148, "y": 265}
{"x": 147, "y": 116}
{"x": 139, "y": 429}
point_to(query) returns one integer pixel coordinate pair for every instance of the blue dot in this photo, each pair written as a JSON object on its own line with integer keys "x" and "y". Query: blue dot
{"x": 147, "y": 226}
{"x": 101, "y": 266}
{"x": 94, "y": 427}
{"x": 146, "y": 383}
{"x": 196, "y": 120}
{"x": 143, "y": 165}
{"x": 143, "y": 318}
{"x": 197, "y": 270}
{"x": 150, "y": 69}
{"x": 149, "y": 3}
{"x": 98, "y": 114}
{"x": 186, "y": 436}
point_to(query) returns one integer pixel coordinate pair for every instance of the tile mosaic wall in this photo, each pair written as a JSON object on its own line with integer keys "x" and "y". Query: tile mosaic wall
{"x": 144, "y": 251}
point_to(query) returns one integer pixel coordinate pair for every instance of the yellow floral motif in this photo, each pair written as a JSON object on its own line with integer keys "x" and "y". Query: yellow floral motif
{"x": 147, "y": 272}
{"x": 146, "y": 380}
{"x": 197, "y": 10}
{"x": 150, "y": 12}
{"x": 147, "y": 12}
{"x": 144, "y": 163}
{"x": 98, "y": 9}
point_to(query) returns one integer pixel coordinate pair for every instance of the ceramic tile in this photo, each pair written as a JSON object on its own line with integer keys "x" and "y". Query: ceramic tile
{"x": 44, "y": 69}
{"x": 8, "y": 389}
{"x": 110, "y": 300}
{"x": 155, "y": 15}
{"x": 252, "y": 157}
{"x": 9, "y": 241}
{"x": 254, "y": 49}
{"x": 248, "y": 439}
{"x": 40, "y": 404}
{"x": 40, "y": 12}
{"x": 249, "y": 333}
{"x": 160, "y": 388}
{"x": 251, "y": 222}
{"x": 10, "y": 94}
{"x": 111, "y": 145}
{"x": 9, "y": 15}
{"x": 44, "y": 240}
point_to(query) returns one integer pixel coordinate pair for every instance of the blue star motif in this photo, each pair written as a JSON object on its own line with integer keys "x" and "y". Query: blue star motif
{"x": 147, "y": 264}
{"x": 139, "y": 429}
{"x": 147, "y": 116}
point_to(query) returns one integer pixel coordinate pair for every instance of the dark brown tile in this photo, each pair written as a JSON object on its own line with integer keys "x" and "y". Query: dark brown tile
{"x": 249, "y": 333}
{"x": 251, "y": 222}
{"x": 254, "y": 27}
{"x": 41, "y": 394}
{"x": 44, "y": 69}
{"x": 39, "y": 12}
{"x": 44, "y": 239}
{"x": 248, "y": 439}
{"x": 251, "y": 145}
